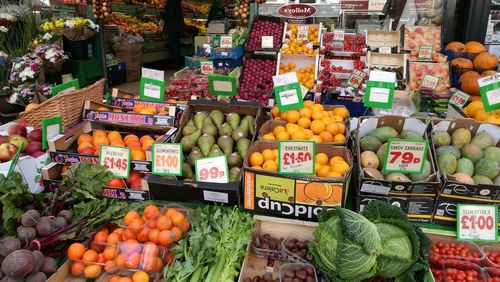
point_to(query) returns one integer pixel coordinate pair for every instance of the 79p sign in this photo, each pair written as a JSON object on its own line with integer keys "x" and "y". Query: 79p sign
{"x": 405, "y": 156}
{"x": 477, "y": 222}
{"x": 116, "y": 159}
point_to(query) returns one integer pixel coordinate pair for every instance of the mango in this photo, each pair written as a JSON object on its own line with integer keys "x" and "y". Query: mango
{"x": 460, "y": 137}
{"x": 483, "y": 140}
{"x": 384, "y": 133}
{"x": 369, "y": 159}
{"x": 449, "y": 149}
{"x": 466, "y": 166}
{"x": 447, "y": 163}
{"x": 426, "y": 172}
{"x": 381, "y": 154}
{"x": 472, "y": 152}
{"x": 464, "y": 178}
{"x": 496, "y": 181}
{"x": 487, "y": 168}
{"x": 398, "y": 177}
{"x": 373, "y": 173}
{"x": 482, "y": 180}
{"x": 441, "y": 138}
{"x": 410, "y": 135}
{"x": 369, "y": 143}
{"x": 492, "y": 153}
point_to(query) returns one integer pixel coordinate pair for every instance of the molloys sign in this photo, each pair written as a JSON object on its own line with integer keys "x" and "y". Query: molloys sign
{"x": 297, "y": 11}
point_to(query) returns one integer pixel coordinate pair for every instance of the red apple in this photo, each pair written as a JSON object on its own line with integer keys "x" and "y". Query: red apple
{"x": 35, "y": 135}
{"x": 136, "y": 184}
{"x": 17, "y": 129}
{"x": 37, "y": 154}
{"x": 33, "y": 147}
{"x": 7, "y": 151}
{"x": 19, "y": 141}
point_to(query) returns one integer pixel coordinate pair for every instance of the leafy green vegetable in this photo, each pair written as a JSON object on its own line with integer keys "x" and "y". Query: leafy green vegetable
{"x": 14, "y": 194}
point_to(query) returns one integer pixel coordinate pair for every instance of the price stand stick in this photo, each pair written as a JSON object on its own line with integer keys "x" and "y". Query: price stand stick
{"x": 405, "y": 156}
{"x": 425, "y": 52}
{"x": 296, "y": 157}
{"x": 213, "y": 169}
{"x": 489, "y": 87}
{"x": 226, "y": 42}
{"x": 167, "y": 159}
{"x": 429, "y": 83}
{"x": 116, "y": 159}
{"x": 477, "y": 223}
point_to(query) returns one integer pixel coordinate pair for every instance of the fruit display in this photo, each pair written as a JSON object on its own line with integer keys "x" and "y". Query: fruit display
{"x": 242, "y": 10}
{"x": 415, "y": 37}
{"x": 418, "y": 70}
{"x": 197, "y": 7}
{"x": 199, "y": 24}
{"x": 256, "y": 83}
{"x": 305, "y": 75}
{"x": 211, "y": 134}
{"x": 302, "y": 42}
{"x": 262, "y": 28}
{"x": 101, "y": 8}
{"x": 132, "y": 24}
{"x": 466, "y": 157}
{"x": 313, "y": 122}
{"x": 475, "y": 110}
{"x": 189, "y": 82}
{"x": 17, "y": 138}
{"x": 373, "y": 147}
{"x": 351, "y": 43}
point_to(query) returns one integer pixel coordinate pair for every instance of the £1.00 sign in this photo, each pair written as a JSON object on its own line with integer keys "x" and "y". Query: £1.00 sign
{"x": 167, "y": 159}
{"x": 116, "y": 159}
{"x": 405, "y": 156}
{"x": 477, "y": 222}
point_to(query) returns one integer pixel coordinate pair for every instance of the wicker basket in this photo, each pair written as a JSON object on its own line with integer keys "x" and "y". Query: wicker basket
{"x": 67, "y": 105}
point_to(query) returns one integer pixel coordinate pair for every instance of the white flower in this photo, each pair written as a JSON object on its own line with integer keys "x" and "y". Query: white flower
{"x": 7, "y": 17}
{"x": 13, "y": 97}
{"x": 47, "y": 36}
{"x": 3, "y": 29}
{"x": 26, "y": 73}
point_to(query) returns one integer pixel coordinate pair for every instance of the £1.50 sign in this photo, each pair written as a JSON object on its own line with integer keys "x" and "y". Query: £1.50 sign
{"x": 116, "y": 159}
{"x": 477, "y": 222}
{"x": 296, "y": 157}
{"x": 406, "y": 156}
{"x": 213, "y": 169}
{"x": 167, "y": 159}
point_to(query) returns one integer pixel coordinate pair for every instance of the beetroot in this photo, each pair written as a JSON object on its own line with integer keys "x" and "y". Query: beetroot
{"x": 66, "y": 214}
{"x": 18, "y": 264}
{"x": 45, "y": 227}
{"x": 39, "y": 260}
{"x": 30, "y": 218}
{"x": 26, "y": 234}
{"x": 8, "y": 245}
{"x": 49, "y": 266}
{"x": 11, "y": 279}
{"x": 36, "y": 277}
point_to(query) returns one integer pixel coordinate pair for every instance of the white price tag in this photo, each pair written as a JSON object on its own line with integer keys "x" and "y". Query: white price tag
{"x": 459, "y": 99}
{"x": 289, "y": 97}
{"x": 379, "y": 95}
{"x": 429, "y": 82}
{"x": 207, "y": 67}
{"x": 338, "y": 35}
{"x": 477, "y": 222}
{"x": 213, "y": 169}
{"x": 303, "y": 32}
{"x": 406, "y": 156}
{"x": 153, "y": 74}
{"x": 267, "y": 42}
{"x": 152, "y": 91}
{"x": 226, "y": 42}
{"x": 116, "y": 159}
{"x": 167, "y": 159}
{"x": 384, "y": 50}
{"x": 296, "y": 157}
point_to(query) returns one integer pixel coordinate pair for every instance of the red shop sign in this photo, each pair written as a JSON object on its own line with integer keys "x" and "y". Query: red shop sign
{"x": 297, "y": 11}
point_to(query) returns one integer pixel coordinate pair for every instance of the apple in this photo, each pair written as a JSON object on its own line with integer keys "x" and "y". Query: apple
{"x": 35, "y": 135}
{"x": 38, "y": 154}
{"x": 4, "y": 139}
{"x": 7, "y": 151}
{"x": 33, "y": 147}
{"x": 17, "y": 129}
{"x": 23, "y": 122}
{"x": 19, "y": 141}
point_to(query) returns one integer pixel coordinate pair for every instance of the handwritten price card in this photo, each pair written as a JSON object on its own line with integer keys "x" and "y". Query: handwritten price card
{"x": 116, "y": 159}
{"x": 296, "y": 157}
{"x": 356, "y": 78}
{"x": 226, "y": 42}
{"x": 212, "y": 169}
{"x": 167, "y": 159}
{"x": 489, "y": 87}
{"x": 207, "y": 67}
{"x": 459, "y": 99}
{"x": 429, "y": 83}
{"x": 267, "y": 42}
{"x": 477, "y": 222}
{"x": 303, "y": 32}
{"x": 338, "y": 35}
{"x": 425, "y": 52}
{"x": 288, "y": 92}
{"x": 405, "y": 156}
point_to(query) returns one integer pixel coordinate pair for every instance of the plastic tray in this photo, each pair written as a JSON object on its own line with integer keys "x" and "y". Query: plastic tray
{"x": 440, "y": 258}
{"x": 456, "y": 265}
{"x": 491, "y": 274}
{"x": 294, "y": 267}
{"x": 488, "y": 260}
{"x": 288, "y": 254}
{"x": 267, "y": 253}
{"x": 107, "y": 277}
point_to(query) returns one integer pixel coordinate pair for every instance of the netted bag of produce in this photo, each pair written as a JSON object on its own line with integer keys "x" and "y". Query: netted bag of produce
{"x": 128, "y": 48}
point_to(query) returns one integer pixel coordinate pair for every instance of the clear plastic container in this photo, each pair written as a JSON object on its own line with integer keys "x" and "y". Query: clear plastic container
{"x": 449, "y": 249}
{"x": 492, "y": 256}
{"x": 454, "y": 270}
{"x": 135, "y": 256}
{"x": 266, "y": 246}
{"x": 112, "y": 277}
{"x": 491, "y": 274}
{"x": 292, "y": 251}
{"x": 297, "y": 272}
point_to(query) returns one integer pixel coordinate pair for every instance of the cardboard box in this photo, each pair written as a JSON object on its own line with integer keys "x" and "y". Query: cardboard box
{"x": 383, "y": 187}
{"x": 123, "y": 99}
{"x": 383, "y": 38}
{"x": 51, "y": 175}
{"x": 446, "y": 209}
{"x": 167, "y": 188}
{"x": 458, "y": 190}
{"x": 226, "y": 85}
{"x": 382, "y": 60}
{"x": 284, "y": 195}
{"x": 93, "y": 111}
{"x": 63, "y": 147}
{"x": 29, "y": 168}
{"x": 418, "y": 209}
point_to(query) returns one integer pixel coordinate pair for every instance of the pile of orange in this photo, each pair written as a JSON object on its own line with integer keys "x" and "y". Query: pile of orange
{"x": 138, "y": 276}
{"x": 476, "y": 110}
{"x": 293, "y": 45}
{"x": 90, "y": 144}
{"x": 305, "y": 76}
{"x": 140, "y": 109}
{"x": 310, "y": 123}
{"x": 140, "y": 244}
{"x": 134, "y": 181}
{"x": 265, "y": 160}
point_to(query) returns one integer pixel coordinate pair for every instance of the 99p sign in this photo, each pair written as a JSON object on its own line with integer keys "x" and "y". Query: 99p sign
{"x": 214, "y": 169}
{"x": 477, "y": 222}
{"x": 116, "y": 159}
{"x": 405, "y": 156}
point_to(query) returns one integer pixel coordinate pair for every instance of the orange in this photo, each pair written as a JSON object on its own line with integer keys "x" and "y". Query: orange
{"x": 317, "y": 166}
{"x": 157, "y": 264}
{"x": 327, "y": 120}
{"x": 291, "y": 128}
{"x": 138, "y": 108}
{"x": 30, "y": 107}
{"x": 326, "y": 136}
{"x": 151, "y": 211}
{"x": 474, "y": 108}
{"x": 131, "y": 215}
{"x": 275, "y": 112}
{"x": 117, "y": 143}
{"x": 76, "y": 251}
{"x": 170, "y": 212}
{"x": 125, "y": 279}
{"x": 292, "y": 116}
{"x": 299, "y": 135}
{"x": 268, "y": 154}
{"x": 184, "y": 226}
{"x": 165, "y": 237}
{"x": 140, "y": 276}
{"x": 128, "y": 234}
{"x": 153, "y": 236}
{"x": 133, "y": 261}
{"x": 85, "y": 138}
{"x": 77, "y": 268}
{"x": 89, "y": 256}
{"x": 84, "y": 145}
{"x": 144, "y": 138}
{"x": 308, "y": 133}
{"x": 278, "y": 129}
{"x": 338, "y": 118}
{"x": 321, "y": 158}
{"x": 177, "y": 218}
{"x": 341, "y": 111}
{"x": 304, "y": 122}
{"x": 119, "y": 231}
{"x": 92, "y": 271}
{"x": 113, "y": 238}
{"x": 149, "y": 110}
{"x": 270, "y": 166}
{"x": 283, "y": 115}
{"x": 341, "y": 167}
{"x": 138, "y": 155}
{"x": 177, "y": 233}
{"x": 101, "y": 140}
{"x": 256, "y": 158}
{"x": 130, "y": 247}
{"x": 163, "y": 223}
{"x": 333, "y": 128}
{"x": 339, "y": 138}
{"x": 100, "y": 236}
{"x": 342, "y": 127}
{"x": 268, "y": 136}
{"x": 121, "y": 260}
{"x": 147, "y": 144}
{"x": 317, "y": 126}
{"x": 306, "y": 112}
{"x": 323, "y": 171}
{"x": 317, "y": 107}
{"x": 335, "y": 159}
{"x": 99, "y": 132}
{"x": 130, "y": 137}
{"x": 283, "y": 136}
{"x": 316, "y": 139}
{"x": 109, "y": 252}
{"x": 332, "y": 173}
{"x": 114, "y": 135}
{"x": 308, "y": 103}
{"x": 104, "y": 109}
{"x": 152, "y": 223}
{"x": 136, "y": 225}
{"x": 134, "y": 144}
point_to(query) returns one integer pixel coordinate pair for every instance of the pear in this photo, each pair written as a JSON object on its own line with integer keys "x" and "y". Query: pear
{"x": 225, "y": 129}
{"x": 217, "y": 117}
{"x": 196, "y": 134}
{"x": 226, "y": 143}
{"x": 209, "y": 127}
{"x": 188, "y": 142}
{"x": 240, "y": 133}
{"x": 250, "y": 120}
{"x": 194, "y": 155}
{"x": 199, "y": 117}
{"x": 242, "y": 146}
{"x": 187, "y": 172}
{"x": 234, "y": 120}
{"x": 234, "y": 160}
{"x": 205, "y": 142}
{"x": 189, "y": 128}
{"x": 234, "y": 174}
{"x": 216, "y": 151}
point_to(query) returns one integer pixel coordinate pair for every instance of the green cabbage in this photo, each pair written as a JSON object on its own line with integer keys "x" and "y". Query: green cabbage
{"x": 378, "y": 242}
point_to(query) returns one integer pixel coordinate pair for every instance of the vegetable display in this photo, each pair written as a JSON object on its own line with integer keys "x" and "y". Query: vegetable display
{"x": 378, "y": 242}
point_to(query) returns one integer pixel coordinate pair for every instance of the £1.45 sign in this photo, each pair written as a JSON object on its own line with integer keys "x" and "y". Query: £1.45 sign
{"x": 116, "y": 159}
{"x": 405, "y": 156}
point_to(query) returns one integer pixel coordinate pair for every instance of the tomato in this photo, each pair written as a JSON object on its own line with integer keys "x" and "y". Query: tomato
{"x": 116, "y": 183}
{"x": 64, "y": 168}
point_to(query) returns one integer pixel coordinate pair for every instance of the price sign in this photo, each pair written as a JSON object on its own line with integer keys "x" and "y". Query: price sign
{"x": 489, "y": 87}
{"x": 167, "y": 159}
{"x": 459, "y": 99}
{"x": 477, "y": 222}
{"x": 212, "y": 169}
{"x": 338, "y": 35}
{"x": 380, "y": 89}
{"x": 356, "y": 78}
{"x": 425, "y": 52}
{"x": 152, "y": 89}
{"x": 296, "y": 157}
{"x": 303, "y": 32}
{"x": 226, "y": 42}
{"x": 429, "y": 82}
{"x": 207, "y": 67}
{"x": 267, "y": 42}
{"x": 385, "y": 50}
{"x": 405, "y": 156}
{"x": 116, "y": 159}
{"x": 66, "y": 87}
{"x": 289, "y": 97}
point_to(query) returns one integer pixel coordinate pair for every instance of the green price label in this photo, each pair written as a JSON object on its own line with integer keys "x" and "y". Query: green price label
{"x": 405, "y": 156}
{"x": 477, "y": 223}
{"x": 379, "y": 94}
{"x": 489, "y": 87}
{"x": 152, "y": 89}
{"x": 289, "y": 97}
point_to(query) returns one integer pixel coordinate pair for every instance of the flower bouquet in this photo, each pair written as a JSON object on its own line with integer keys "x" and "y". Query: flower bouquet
{"x": 27, "y": 69}
{"x": 53, "y": 57}
{"x": 23, "y": 94}
{"x": 78, "y": 31}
